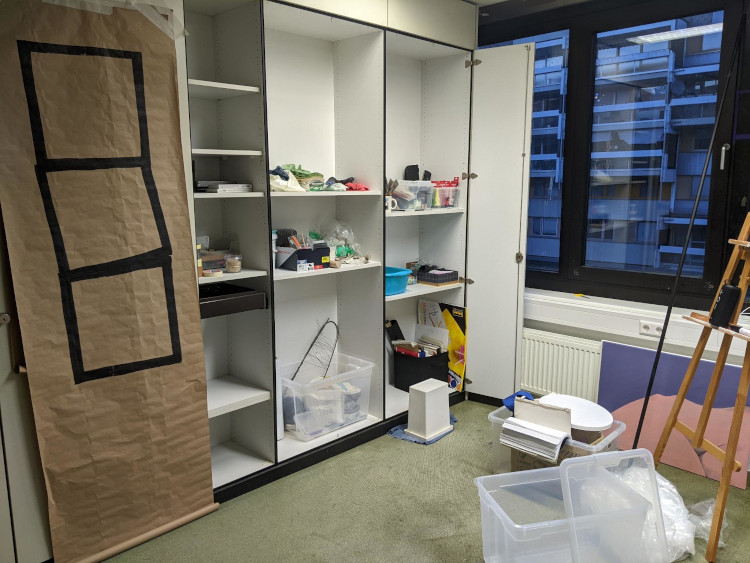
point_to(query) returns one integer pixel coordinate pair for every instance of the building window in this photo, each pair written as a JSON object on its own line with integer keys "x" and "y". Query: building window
{"x": 547, "y": 144}
{"x": 643, "y": 158}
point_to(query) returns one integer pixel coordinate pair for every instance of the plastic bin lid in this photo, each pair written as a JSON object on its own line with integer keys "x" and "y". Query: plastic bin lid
{"x": 612, "y": 503}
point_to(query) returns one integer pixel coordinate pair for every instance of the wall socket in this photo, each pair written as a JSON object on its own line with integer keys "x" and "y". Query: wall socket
{"x": 648, "y": 328}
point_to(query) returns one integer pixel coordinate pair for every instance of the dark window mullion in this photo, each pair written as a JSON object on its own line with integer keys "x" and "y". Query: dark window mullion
{"x": 577, "y": 141}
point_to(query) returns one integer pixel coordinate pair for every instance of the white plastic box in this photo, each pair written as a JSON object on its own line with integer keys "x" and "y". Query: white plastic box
{"x": 580, "y": 512}
{"x": 314, "y": 405}
{"x": 500, "y": 461}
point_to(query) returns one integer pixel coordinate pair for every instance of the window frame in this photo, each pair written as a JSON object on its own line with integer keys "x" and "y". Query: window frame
{"x": 584, "y": 22}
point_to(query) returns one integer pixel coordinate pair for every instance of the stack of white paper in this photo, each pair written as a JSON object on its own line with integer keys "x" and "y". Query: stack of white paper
{"x": 532, "y": 438}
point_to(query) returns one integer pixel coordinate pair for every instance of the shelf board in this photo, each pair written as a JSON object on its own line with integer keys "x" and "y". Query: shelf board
{"x": 227, "y": 394}
{"x": 289, "y": 446}
{"x": 242, "y": 275}
{"x": 420, "y": 289}
{"x": 208, "y": 90}
{"x": 225, "y": 152}
{"x": 324, "y": 194}
{"x": 703, "y": 321}
{"x": 228, "y": 195}
{"x": 396, "y": 401}
{"x": 279, "y": 274}
{"x": 415, "y": 213}
{"x": 230, "y": 461}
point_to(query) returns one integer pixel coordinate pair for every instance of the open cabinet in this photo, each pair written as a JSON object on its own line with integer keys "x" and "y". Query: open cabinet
{"x": 228, "y": 138}
{"x": 432, "y": 121}
{"x": 428, "y": 96}
{"x": 273, "y": 84}
{"x": 325, "y": 112}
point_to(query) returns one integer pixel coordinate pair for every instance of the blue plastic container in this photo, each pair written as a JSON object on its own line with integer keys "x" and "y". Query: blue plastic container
{"x": 395, "y": 280}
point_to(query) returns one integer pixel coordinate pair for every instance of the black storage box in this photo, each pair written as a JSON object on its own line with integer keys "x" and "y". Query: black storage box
{"x": 303, "y": 259}
{"x": 409, "y": 370}
{"x": 447, "y": 276}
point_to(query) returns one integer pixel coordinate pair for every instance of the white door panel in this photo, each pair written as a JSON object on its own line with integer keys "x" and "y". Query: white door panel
{"x": 498, "y": 205}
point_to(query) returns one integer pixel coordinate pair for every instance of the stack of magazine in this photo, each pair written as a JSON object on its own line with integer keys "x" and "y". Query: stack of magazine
{"x": 222, "y": 187}
{"x": 532, "y": 438}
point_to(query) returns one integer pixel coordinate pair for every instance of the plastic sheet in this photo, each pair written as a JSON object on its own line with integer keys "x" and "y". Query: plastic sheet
{"x": 679, "y": 529}
{"x": 701, "y": 515}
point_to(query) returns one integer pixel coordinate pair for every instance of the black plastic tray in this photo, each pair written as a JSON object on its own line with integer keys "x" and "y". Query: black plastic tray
{"x": 219, "y": 299}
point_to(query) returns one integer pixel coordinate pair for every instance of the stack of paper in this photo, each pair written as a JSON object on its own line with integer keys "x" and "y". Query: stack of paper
{"x": 219, "y": 187}
{"x": 532, "y": 438}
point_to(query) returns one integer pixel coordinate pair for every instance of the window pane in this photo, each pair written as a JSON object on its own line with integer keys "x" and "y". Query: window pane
{"x": 547, "y": 138}
{"x": 654, "y": 110}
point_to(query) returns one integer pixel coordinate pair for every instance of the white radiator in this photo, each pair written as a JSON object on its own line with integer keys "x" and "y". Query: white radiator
{"x": 554, "y": 363}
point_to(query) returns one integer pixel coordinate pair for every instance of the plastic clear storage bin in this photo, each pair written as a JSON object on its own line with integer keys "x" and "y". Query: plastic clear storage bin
{"x": 314, "y": 405}
{"x": 422, "y": 191}
{"x": 580, "y": 511}
{"x": 500, "y": 456}
{"x": 446, "y": 197}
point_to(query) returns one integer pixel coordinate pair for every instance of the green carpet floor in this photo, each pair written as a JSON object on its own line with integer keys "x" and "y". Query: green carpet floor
{"x": 387, "y": 500}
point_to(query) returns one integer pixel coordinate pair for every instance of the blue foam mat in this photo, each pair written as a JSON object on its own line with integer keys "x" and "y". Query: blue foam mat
{"x": 400, "y": 433}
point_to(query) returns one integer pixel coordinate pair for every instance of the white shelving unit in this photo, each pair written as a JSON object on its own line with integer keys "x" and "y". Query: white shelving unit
{"x": 420, "y": 290}
{"x": 334, "y": 127}
{"x": 229, "y": 195}
{"x": 371, "y": 192}
{"x": 209, "y": 90}
{"x": 280, "y": 274}
{"x": 427, "y": 95}
{"x": 425, "y": 212}
{"x": 244, "y": 274}
{"x": 228, "y": 136}
{"x": 227, "y": 394}
{"x": 271, "y": 83}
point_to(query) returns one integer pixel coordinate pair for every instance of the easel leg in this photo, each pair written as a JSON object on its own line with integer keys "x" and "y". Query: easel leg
{"x": 682, "y": 393}
{"x": 726, "y": 471}
{"x": 713, "y": 388}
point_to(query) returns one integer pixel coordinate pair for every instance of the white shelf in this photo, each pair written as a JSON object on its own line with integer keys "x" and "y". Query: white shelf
{"x": 324, "y": 194}
{"x": 228, "y": 195}
{"x": 230, "y": 461}
{"x": 416, "y": 213}
{"x": 244, "y": 274}
{"x": 227, "y": 394}
{"x": 280, "y": 274}
{"x": 396, "y": 401}
{"x": 225, "y": 152}
{"x": 420, "y": 289}
{"x": 289, "y": 446}
{"x": 207, "y": 90}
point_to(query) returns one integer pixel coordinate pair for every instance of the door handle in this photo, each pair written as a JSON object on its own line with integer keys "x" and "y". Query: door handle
{"x": 724, "y": 148}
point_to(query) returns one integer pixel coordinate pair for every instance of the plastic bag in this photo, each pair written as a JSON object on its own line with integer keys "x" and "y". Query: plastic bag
{"x": 701, "y": 515}
{"x": 679, "y": 530}
{"x": 278, "y": 184}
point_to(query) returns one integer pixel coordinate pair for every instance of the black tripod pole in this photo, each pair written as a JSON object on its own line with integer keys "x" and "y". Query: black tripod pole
{"x": 673, "y": 296}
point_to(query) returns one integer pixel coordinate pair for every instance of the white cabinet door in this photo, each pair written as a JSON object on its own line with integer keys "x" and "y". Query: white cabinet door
{"x": 498, "y": 204}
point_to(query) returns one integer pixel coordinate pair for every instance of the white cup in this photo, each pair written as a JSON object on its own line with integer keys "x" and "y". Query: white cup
{"x": 390, "y": 203}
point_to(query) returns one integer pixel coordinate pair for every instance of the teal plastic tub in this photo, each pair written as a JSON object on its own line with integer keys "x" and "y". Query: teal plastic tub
{"x": 396, "y": 280}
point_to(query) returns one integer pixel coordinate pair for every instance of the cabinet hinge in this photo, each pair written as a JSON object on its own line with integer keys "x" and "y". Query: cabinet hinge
{"x": 467, "y": 281}
{"x": 475, "y": 62}
{"x": 4, "y": 319}
{"x": 519, "y": 257}
{"x": 465, "y": 176}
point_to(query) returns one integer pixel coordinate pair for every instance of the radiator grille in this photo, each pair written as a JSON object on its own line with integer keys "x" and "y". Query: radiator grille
{"x": 554, "y": 363}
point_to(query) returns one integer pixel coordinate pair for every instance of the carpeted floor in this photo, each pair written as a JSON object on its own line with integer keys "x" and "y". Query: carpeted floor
{"x": 387, "y": 500}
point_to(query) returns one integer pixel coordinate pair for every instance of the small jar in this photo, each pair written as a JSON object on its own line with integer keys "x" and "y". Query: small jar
{"x": 233, "y": 263}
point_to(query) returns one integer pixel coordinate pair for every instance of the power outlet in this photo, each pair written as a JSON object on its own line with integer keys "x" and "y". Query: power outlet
{"x": 648, "y": 328}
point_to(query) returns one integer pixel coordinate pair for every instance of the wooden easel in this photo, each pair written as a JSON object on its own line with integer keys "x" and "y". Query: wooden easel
{"x": 741, "y": 253}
